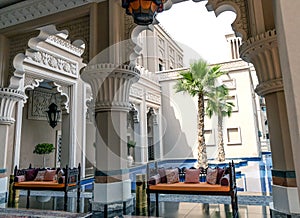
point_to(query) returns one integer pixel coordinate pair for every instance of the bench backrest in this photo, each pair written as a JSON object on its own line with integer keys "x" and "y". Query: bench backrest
{"x": 72, "y": 175}
{"x": 152, "y": 169}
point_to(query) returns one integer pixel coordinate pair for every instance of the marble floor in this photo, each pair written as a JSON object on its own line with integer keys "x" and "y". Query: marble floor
{"x": 170, "y": 206}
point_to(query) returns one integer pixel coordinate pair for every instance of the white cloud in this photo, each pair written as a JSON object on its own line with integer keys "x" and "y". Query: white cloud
{"x": 191, "y": 24}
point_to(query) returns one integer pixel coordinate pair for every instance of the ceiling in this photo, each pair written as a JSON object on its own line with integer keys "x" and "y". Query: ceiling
{"x": 5, "y": 3}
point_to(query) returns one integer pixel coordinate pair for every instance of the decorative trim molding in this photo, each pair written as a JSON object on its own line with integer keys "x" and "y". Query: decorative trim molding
{"x": 53, "y": 62}
{"x": 241, "y": 24}
{"x": 38, "y": 61}
{"x": 262, "y": 52}
{"x": 34, "y": 9}
{"x": 136, "y": 92}
{"x": 259, "y": 42}
{"x": 165, "y": 76}
{"x": 110, "y": 84}
{"x": 8, "y": 99}
{"x": 151, "y": 97}
{"x": 269, "y": 87}
{"x": 31, "y": 83}
{"x": 65, "y": 44}
{"x": 64, "y": 92}
{"x": 234, "y": 65}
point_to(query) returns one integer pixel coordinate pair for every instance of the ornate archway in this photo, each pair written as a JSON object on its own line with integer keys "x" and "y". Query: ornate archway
{"x": 48, "y": 72}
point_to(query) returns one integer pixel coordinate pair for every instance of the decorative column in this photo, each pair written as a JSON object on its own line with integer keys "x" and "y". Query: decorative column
{"x": 8, "y": 98}
{"x": 110, "y": 85}
{"x": 262, "y": 51}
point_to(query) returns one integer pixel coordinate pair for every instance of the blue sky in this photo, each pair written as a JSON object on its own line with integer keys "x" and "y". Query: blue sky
{"x": 200, "y": 31}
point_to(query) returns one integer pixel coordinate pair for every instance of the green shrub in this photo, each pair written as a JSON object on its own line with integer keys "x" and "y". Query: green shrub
{"x": 43, "y": 148}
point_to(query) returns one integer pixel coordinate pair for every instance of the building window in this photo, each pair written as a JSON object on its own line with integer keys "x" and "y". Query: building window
{"x": 234, "y": 136}
{"x": 161, "y": 66}
{"x": 230, "y": 83}
{"x": 209, "y": 136}
{"x": 233, "y": 99}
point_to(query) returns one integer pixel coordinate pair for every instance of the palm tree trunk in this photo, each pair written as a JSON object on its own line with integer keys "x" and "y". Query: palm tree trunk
{"x": 221, "y": 151}
{"x": 202, "y": 155}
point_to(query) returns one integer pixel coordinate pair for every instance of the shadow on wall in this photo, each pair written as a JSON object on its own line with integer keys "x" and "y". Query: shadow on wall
{"x": 178, "y": 123}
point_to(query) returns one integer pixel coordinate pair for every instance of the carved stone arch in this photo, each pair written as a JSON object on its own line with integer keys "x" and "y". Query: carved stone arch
{"x": 132, "y": 32}
{"x": 65, "y": 98}
{"x": 40, "y": 64}
{"x": 152, "y": 115}
{"x": 240, "y": 26}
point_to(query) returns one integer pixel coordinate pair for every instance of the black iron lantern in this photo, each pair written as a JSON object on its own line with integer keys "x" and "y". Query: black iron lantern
{"x": 53, "y": 114}
{"x": 143, "y": 11}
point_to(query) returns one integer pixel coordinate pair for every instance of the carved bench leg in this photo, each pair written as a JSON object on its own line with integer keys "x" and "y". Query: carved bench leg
{"x": 124, "y": 207}
{"x": 78, "y": 199}
{"x": 13, "y": 197}
{"x": 148, "y": 203}
{"x": 66, "y": 200}
{"x": 28, "y": 196}
{"x": 234, "y": 204}
{"x": 156, "y": 204}
{"x": 105, "y": 211}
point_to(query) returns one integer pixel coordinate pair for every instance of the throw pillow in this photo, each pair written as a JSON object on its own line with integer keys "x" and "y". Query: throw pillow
{"x": 172, "y": 175}
{"x": 220, "y": 174}
{"x": 40, "y": 175}
{"x": 30, "y": 174}
{"x": 154, "y": 180}
{"x": 192, "y": 175}
{"x": 20, "y": 178}
{"x": 224, "y": 181}
{"x": 211, "y": 176}
{"x": 162, "y": 174}
{"x": 49, "y": 175}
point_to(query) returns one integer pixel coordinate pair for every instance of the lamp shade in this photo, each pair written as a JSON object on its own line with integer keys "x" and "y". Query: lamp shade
{"x": 53, "y": 114}
{"x": 143, "y": 11}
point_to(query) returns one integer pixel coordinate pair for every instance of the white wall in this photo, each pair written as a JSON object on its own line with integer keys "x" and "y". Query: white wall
{"x": 35, "y": 132}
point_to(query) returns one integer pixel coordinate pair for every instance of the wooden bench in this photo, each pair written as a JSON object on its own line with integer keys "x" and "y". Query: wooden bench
{"x": 201, "y": 188}
{"x": 70, "y": 180}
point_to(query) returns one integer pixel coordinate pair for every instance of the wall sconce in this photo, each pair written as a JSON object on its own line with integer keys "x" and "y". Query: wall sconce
{"x": 143, "y": 11}
{"x": 53, "y": 114}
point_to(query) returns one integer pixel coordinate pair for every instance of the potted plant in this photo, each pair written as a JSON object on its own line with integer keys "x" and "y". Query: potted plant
{"x": 130, "y": 145}
{"x": 43, "y": 149}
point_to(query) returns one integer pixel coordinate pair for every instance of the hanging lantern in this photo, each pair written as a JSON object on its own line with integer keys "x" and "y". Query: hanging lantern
{"x": 143, "y": 11}
{"x": 53, "y": 114}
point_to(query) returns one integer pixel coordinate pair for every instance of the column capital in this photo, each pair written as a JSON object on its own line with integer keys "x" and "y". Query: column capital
{"x": 270, "y": 86}
{"x": 262, "y": 52}
{"x": 8, "y": 99}
{"x": 110, "y": 85}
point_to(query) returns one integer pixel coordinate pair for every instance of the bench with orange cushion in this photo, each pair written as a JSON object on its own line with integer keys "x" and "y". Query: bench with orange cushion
{"x": 201, "y": 188}
{"x": 70, "y": 180}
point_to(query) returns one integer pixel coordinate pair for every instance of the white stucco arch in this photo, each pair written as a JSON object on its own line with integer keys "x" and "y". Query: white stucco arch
{"x": 55, "y": 61}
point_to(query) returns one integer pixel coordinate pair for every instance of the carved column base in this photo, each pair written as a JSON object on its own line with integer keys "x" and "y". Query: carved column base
{"x": 112, "y": 199}
{"x": 287, "y": 205}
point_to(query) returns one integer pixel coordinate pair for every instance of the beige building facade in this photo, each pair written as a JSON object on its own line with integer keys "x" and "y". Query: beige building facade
{"x": 240, "y": 130}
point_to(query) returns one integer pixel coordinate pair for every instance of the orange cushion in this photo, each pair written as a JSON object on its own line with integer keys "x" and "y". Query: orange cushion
{"x": 202, "y": 186}
{"x": 38, "y": 184}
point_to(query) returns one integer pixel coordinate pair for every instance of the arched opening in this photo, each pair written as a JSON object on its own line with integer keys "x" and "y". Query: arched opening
{"x": 49, "y": 77}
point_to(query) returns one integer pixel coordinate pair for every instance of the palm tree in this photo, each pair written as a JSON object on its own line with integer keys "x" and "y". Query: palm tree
{"x": 217, "y": 104}
{"x": 198, "y": 81}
